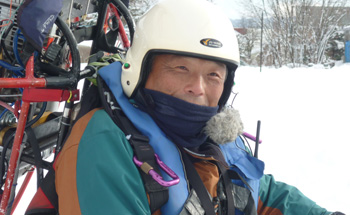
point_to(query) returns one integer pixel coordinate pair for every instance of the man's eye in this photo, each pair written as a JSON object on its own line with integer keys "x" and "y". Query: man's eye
{"x": 214, "y": 74}
{"x": 182, "y": 68}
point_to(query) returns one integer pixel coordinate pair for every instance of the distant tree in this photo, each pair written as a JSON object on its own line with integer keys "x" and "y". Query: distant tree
{"x": 139, "y": 7}
{"x": 336, "y": 47}
{"x": 248, "y": 41}
{"x": 296, "y": 31}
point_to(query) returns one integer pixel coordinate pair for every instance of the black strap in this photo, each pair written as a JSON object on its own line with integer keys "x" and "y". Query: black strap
{"x": 250, "y": 208}
{"x": 88, "y": 102}
{"x": 144, "y": 152}
{"x": 46, "y": 184}
{"x": 234, "y": 175}
{"x": 49, "y": 189}
{"x": 41, "y": 211}
{"x": 37, "y": 154}
{"x": 228, "y": 189}
{"x": 197, "y": 184}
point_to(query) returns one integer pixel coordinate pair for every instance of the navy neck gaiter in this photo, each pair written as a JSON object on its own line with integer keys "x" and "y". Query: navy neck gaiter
{"x": 181, "y": 121}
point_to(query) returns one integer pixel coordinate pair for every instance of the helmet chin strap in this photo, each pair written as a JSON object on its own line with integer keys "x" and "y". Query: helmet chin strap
{"x": 227, "y": 88}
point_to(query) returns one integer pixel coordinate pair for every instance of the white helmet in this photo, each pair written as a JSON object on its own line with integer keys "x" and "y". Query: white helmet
{"x": 194, "y": 28}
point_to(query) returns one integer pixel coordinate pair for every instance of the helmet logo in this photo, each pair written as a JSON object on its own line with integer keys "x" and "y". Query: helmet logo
{"x": 212, "y": 43}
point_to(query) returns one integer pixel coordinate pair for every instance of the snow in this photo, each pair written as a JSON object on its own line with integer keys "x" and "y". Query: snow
{"x": 305, "y": 117}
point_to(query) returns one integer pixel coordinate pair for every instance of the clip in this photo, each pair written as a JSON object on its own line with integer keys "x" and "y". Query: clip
{"x": 148, "y": 169}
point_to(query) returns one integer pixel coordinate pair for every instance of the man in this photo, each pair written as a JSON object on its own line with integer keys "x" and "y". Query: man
{"x": 173, "y": 87}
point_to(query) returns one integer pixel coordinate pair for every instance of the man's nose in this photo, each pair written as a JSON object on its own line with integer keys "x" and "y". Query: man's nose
{"x": 195, "y": 85}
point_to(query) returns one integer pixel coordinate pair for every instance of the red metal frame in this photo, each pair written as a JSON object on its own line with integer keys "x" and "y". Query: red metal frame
{"x": 49, "y": 95}
{"x": 31, "y": 93}
{"x": 28, "y": 81}
{"x": 122, "y": 32}
{"x": 14, "y": 156}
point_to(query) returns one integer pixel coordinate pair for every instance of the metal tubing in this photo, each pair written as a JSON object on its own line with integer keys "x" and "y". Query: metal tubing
{"x": 26, "y": 82}
{"x": 257, "y": 139}
{"x": 65, "y": 125}
{"x": 18, "y": 139}
{"x": 14, "y": 156}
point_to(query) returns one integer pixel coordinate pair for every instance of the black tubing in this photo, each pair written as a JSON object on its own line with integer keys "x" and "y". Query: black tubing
{"x": 72, "y": 81}
{"x": 124, "y": 12}
{"x": 40, "y": 114}
{"x": 6, "y": 144}
{"x": 257, "y": 139}
{"x": 51, "y": 69}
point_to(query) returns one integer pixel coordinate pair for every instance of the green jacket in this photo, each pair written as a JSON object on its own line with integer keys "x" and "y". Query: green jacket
{"x": 95, "y": 174}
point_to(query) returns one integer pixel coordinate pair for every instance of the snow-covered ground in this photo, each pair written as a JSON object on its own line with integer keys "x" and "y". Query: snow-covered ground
{"x": 305, "y": 123}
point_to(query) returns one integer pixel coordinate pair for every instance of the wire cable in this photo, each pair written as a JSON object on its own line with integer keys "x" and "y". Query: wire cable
{"x": 10, "y": 67}
{"x": 42, "y": 111}
{"x": 15, "y": 47}
{"x": 3, "y": 113}
{"x": 9, "y": 20}
{"x": 8, "y": 107}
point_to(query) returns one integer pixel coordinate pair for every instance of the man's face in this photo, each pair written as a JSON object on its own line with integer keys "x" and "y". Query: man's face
{"x": 191, "y": 79}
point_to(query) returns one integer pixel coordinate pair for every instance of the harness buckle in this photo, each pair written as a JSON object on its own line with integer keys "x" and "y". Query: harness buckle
{"x": 148, "y": 169}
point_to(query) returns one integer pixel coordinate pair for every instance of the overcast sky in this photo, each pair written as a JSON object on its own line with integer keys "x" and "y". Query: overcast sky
{"x": 231, "y": 8}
